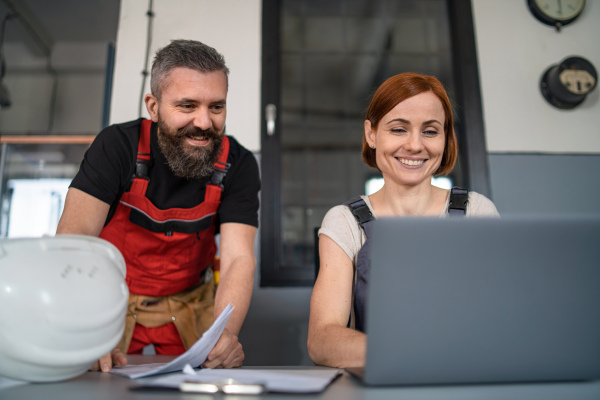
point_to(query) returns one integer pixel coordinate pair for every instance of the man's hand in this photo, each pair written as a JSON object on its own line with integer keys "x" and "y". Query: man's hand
{"x": 105, "y": 363}
{"x": 227, "y": 353}
{"x": 238, "y": 264}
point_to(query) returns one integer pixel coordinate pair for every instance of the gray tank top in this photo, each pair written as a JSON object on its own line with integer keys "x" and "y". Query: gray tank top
{"x": 364, "y": 217}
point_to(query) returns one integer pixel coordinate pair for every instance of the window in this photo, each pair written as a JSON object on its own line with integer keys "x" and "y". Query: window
{"x": 35, "y": 174}
{"x": 321, "y": 63}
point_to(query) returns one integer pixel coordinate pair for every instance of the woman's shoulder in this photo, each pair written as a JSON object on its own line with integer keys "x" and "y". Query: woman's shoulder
{"x": 341, "y": 226}
{"x": 338, "y": 215}
{"x": 481, "y": 206}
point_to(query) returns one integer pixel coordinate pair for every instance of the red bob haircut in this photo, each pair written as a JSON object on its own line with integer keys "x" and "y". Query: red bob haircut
{"x": 399, "y": 88}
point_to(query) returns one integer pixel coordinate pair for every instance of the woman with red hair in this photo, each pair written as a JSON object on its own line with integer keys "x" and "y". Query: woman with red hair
{"x": 409, "y": 137}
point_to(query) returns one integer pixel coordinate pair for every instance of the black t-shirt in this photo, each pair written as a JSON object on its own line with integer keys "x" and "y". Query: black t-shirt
{"x": 108, "y": 166}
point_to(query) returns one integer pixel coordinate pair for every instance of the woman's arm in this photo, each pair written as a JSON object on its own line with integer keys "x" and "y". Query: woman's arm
{"x": 330, "y": 343}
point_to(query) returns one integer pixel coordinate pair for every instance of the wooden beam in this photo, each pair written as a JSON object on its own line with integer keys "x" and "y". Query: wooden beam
{"x": 47, "y": 139}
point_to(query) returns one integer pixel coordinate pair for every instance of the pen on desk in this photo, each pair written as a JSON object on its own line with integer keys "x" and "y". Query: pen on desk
{"x": 227, "y": 386}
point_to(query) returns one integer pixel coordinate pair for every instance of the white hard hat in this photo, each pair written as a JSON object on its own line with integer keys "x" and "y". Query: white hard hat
{"x": 63, "y": 302}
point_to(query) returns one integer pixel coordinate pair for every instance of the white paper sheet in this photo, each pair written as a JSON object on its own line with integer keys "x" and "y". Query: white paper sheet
{"x": 274, "y": 380}
{"x": 194, "y": 356}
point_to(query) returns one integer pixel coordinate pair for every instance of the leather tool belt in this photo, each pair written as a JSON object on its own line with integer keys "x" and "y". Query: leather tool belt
{"x": 190, "y": 310}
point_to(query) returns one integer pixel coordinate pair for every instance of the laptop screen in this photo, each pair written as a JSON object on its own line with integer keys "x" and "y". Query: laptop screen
{"x": 483, "y": 300}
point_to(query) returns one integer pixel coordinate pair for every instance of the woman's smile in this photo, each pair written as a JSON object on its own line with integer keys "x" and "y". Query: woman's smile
{"x": 411, "y": 163}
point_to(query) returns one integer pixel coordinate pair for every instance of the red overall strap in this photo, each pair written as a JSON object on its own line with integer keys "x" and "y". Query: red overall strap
{"x": 140, "y": 182}
{"x": 144, "y": 143}
{"x": 213, "y": 192}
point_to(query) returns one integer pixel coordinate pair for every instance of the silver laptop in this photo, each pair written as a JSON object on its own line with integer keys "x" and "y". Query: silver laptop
{"x": 455, "y": 301}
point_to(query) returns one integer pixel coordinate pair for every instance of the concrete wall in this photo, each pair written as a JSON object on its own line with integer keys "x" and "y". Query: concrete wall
{"x": 59, "y": 95}
{"x": 545, "y": 183}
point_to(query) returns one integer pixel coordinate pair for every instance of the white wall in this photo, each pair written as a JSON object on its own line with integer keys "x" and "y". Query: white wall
{"x": 514, "y": 50}
{"x": 232, "y": 27}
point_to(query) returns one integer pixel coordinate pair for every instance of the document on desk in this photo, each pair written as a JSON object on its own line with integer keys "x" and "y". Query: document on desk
{"x": 194, "y": 356}
{"x": 312, "y": 380}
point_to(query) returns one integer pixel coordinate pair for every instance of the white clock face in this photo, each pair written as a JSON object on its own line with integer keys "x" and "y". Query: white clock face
{"x": 560, "y": 9}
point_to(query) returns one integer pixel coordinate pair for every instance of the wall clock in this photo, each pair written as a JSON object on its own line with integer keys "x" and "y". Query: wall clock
{"x": 556, "y": 13}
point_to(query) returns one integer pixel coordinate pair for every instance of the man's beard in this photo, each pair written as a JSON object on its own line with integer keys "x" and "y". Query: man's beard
{"x": 185, "y": 160}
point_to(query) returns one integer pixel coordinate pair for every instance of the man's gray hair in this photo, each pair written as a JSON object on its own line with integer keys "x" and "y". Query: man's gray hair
{"x": 184, "y": 53}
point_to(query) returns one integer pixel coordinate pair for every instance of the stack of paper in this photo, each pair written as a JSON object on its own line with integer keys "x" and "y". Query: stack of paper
{"x": 194, "y": 356}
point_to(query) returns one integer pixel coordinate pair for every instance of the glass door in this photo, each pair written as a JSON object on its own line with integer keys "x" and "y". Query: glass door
{"x": 322, "y": 61}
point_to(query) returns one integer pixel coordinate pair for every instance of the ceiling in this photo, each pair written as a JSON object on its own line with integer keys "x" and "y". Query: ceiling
{"x": 39, "y": 24}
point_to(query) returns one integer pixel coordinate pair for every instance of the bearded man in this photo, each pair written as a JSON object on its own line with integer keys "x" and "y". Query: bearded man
{"x": 160, "y": 190}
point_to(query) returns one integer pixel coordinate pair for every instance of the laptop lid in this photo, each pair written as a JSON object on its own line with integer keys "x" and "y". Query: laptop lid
{"x": 483, "y": 300}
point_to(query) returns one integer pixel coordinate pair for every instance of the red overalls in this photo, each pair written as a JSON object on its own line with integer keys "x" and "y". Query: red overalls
{"x": 166, "y": 251}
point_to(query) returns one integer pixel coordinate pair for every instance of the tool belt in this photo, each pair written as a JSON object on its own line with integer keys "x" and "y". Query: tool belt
{"x": 190, "y": 310}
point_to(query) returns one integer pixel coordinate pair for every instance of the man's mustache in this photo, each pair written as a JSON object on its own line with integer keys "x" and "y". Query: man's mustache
{"x": 193, "y": 131}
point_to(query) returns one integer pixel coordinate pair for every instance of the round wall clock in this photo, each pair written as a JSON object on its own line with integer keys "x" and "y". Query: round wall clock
{"x": 556, "y": 13}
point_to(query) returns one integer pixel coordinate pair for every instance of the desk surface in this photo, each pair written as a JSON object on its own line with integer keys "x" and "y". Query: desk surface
{"x": 102, "y": 386}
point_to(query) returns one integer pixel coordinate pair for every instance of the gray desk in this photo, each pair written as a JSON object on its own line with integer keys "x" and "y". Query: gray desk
{"x": 101, "y": 386}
